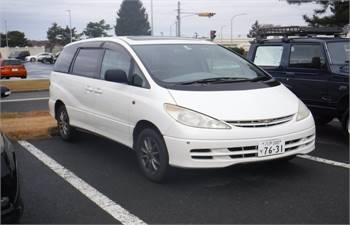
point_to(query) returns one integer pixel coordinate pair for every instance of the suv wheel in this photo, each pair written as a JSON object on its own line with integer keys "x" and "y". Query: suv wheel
{"x": 32, "y": 59}
{"x": 323, "y": 120}
{"x": 152, "y": 155}
{"x": 65, "y": 129}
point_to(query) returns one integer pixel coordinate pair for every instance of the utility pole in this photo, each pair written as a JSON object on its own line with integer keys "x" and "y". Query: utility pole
{"x": 178, "y": 19}
{"x": 221, "y": 34}
{"x": 152, "y": 31}
{"x": 70, "y": 24}
{"x": 233, "y": 17}
{"x": 7, "y": 40}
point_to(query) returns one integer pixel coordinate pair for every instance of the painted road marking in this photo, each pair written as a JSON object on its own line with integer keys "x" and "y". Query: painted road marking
{"x": 24, "y": 99}
{"x": 326, "y": 161}
{"x": 112, "y": 208}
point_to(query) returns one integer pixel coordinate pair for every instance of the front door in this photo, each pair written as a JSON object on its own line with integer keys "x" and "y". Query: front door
{"x": 307, "y": 74}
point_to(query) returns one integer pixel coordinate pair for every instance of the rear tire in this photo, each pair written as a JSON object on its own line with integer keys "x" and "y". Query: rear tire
{"x": 32, "y": 60}
{"x": 65, "y": 130}
{"x": 152, "y": 155}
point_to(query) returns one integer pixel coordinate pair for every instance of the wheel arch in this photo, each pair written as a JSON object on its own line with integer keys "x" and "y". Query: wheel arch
{"x": 141, "y": 125}
{"x": 342, "y": 106}
{"x": 58, "y": 103}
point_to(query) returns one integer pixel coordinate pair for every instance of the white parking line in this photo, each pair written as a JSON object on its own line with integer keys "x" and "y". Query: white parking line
{"x": 112, "y": 208}
{"x": 24, "y": 99}
{"x": 326, "y": 161}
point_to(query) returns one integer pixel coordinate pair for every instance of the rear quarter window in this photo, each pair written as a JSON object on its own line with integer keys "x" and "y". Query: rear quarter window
{"x": 65, "y": 59}
{"x": 268, "y": 55}
{"x": 11, "y": 62}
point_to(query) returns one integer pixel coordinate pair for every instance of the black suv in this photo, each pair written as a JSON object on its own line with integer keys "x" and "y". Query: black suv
{"x": 316, "y": 69}
{"x": 19, "y": 55}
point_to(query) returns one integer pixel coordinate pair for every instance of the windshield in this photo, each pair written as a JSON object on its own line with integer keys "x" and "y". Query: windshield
{"x": 11, "y": 62}
{"x": 14, "y": 54}
{"x": 187, "y": 63}
{"x": 339, "y": 52}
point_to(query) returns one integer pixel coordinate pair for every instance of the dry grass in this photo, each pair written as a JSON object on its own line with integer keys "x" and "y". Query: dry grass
{"x": 27, "y": 125}
{"x": 26, "y": 85}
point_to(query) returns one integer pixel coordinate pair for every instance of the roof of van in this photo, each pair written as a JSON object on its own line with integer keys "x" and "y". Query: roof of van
{"x": 145, "y": 40}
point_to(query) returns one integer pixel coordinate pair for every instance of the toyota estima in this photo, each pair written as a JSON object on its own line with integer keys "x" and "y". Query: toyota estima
{"x": 177, "y": 102}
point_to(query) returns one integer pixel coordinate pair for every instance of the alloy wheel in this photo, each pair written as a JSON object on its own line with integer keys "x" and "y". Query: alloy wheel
{"x": 150, "y": 157}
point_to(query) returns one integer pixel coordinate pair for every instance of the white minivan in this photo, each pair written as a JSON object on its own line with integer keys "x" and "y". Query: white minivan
{"x": 177, "y": 102}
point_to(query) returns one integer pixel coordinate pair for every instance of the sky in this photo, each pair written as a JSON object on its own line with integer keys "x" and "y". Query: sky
{"x": 33, "y": 17}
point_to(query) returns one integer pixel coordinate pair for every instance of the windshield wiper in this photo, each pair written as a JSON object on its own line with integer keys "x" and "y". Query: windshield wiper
{"x": 216, "y": 80}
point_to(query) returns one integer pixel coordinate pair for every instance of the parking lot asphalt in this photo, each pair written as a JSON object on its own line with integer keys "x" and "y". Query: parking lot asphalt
{"x": 25, "y": 102}
{"x": 37, "y": 70}
{"x": 301, "y": 191}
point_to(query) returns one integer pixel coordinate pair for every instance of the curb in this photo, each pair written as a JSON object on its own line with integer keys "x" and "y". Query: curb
{"x": 23, "y": 91}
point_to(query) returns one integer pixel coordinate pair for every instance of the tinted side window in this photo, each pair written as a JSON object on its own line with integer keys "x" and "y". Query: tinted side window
{"x": 64, "y": 60}
{"x": 268, "y": 55}
{"x": 137, "y": 78}
{"x": 115, "y": 60}
{"x": 307, "y": 56}
{"x": 87, "y": 62}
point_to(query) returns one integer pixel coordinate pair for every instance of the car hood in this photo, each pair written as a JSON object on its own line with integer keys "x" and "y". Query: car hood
{"x": 264, "y": 103}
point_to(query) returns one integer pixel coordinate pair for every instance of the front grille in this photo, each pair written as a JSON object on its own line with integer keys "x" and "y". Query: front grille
{"x": 225, "y": 153}
{"x": 262, "y": 122}
{"x": 249, "y": 151}
{"x": 299, "y": 143}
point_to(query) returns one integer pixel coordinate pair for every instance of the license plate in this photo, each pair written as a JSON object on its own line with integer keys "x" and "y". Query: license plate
{"x": 14, "y": 70}
{"x": 272, "y": 147}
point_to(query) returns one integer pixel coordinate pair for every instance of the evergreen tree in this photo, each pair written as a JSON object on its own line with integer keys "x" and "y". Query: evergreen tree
{"x": 338, "y": 16}
{"x": 98, "y": 29}
{"x": 132, "y": 19}
{"x": 253, "y": 32}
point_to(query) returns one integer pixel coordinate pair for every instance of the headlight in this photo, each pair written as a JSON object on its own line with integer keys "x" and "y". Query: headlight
{"x": 193, "y": 119}
{"x": 303, "y": 111}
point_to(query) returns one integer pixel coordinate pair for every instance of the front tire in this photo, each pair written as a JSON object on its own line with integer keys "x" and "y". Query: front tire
{"x": 32, "y": 60}
{"x": 323, "y": 120}
{"x": 65, "y": 130}
{"x": 345, "y": 122}
{"x": 152, "y": 155}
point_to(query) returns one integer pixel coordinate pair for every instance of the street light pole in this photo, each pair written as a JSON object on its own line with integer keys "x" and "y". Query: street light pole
{"x": 233, "y": 17}
{"x": 152, "y": 31}
{"x": 222, "y": 27}
{"x": 70, "y": 24}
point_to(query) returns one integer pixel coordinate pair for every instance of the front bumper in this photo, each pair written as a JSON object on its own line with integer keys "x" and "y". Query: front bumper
{"x": 188, "y": 153}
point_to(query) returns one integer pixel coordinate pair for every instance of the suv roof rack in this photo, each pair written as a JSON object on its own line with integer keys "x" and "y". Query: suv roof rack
{"x": 263, "y": 33}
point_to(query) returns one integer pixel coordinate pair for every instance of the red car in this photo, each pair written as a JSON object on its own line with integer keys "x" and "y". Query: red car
{"x": 12, "y": 68}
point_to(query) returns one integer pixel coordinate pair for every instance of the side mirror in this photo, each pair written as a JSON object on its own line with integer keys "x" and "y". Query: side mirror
{"x": 118, "y": 76}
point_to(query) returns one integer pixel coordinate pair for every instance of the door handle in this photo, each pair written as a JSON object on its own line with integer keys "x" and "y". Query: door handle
{"x": 98, "y": 91}
{"x": 89, "y": 89}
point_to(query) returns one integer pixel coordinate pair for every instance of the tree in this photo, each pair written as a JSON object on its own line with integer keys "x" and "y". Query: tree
{"x": 253, "y": 32}
{"x": 98, "y": 29}
{"x": 132, "y": 19}
{"x": 15, "y": 39}
{"x": 58, "y": 35}
{"x": 339, "y": 13}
